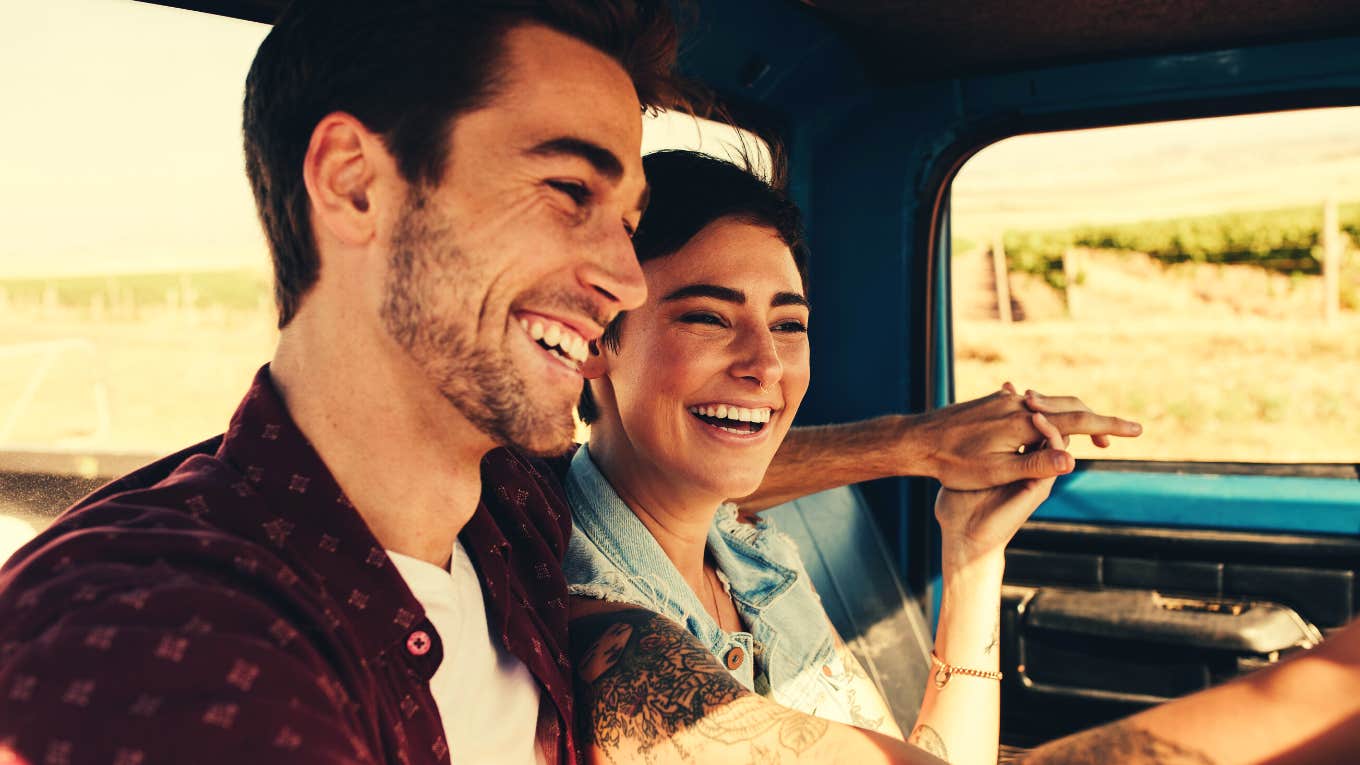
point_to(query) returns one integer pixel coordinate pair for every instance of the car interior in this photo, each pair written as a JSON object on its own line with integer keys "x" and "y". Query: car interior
{"x": 1139, "y": 580}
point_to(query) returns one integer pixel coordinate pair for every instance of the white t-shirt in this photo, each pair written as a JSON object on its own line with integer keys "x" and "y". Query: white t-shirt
{"x": 487, "y": 698}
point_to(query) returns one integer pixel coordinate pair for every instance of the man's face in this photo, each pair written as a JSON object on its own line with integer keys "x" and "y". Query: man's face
{"x": 501, "y": 276}
{"x": 711, "y": 369}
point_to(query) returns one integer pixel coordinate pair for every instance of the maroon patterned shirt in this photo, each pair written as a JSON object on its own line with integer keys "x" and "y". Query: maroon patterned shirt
{"x": 228, "y": 604}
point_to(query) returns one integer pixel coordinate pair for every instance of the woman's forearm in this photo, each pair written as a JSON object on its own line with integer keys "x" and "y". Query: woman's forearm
{"x": 960, "y": 721}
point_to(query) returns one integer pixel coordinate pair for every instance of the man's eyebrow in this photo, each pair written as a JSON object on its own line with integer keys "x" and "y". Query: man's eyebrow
{"x": 709, "y": 291}
{"x": 788, "y": 298}
{"x": 603, "y": 160}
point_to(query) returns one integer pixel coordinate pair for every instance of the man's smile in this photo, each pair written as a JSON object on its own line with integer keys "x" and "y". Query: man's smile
{"x": 556, "y": 339}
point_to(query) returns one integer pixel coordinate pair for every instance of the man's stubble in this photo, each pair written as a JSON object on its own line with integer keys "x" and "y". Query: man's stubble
{"x": 426, "y": 267}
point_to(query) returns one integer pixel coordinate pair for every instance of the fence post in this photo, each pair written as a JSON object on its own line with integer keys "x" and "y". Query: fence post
{"x": 1001, "y": 274}
{"x": 1331, "y": 261}
{"x": 1071, "y": 262}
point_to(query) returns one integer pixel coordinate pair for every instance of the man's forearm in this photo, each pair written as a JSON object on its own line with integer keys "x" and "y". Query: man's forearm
{"x": 1303, "y": 710}
{"x": 649, "y": 692}
{"x": 822, "y": 457}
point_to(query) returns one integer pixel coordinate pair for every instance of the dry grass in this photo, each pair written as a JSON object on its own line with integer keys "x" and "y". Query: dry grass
{"x": 171, "y": 379}
{"x": 1218, "y": 363}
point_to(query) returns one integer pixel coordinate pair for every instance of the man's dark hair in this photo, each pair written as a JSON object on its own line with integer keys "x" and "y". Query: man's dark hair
{"x": 689, "y": 191}
{"x": 406, "y": 69}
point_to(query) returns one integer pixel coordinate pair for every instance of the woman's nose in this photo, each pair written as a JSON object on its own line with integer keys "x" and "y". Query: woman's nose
{"x": 758, "y": 360}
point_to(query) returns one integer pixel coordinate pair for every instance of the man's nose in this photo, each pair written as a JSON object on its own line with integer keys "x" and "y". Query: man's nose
{"x": 758, "y": 359}
{"x": 614, "y": 273}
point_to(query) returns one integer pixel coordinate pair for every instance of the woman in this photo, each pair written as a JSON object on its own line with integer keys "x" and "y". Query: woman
{"x": 689, "y": 398}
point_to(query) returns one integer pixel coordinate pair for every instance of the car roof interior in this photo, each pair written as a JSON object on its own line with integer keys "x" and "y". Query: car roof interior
{"x": 907, "y": 40}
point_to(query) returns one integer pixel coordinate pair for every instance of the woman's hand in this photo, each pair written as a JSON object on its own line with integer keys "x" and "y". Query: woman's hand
{"x": 977, "y": 525}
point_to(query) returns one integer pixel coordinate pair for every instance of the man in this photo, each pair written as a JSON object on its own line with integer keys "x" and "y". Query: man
{"x": 354, "y": 571}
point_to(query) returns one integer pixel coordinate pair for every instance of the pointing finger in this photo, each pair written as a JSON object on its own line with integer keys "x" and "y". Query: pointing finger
{"x": 1090, "y": 423}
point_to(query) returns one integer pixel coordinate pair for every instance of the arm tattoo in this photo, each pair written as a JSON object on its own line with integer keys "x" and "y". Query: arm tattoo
{"x": 925, "y": 737}
{"x": 1120, "y": 742}
{"x": 795, "y": 730}
{"x": 641, "y": 679}
{"x": 996, "y": 638}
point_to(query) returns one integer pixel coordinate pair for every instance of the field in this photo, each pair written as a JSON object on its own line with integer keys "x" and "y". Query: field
{"x": 121, "y": 296}
{"x": 147, "y": 383}
{"x": 1217, "y": 362}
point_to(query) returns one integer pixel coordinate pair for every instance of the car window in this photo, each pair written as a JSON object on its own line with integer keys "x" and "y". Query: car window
{"x": 134, "y": 281}
{"x": 1201, "y": 276}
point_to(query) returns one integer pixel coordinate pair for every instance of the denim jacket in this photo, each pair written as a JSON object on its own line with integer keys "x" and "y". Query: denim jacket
{"x": 791, "y": 652}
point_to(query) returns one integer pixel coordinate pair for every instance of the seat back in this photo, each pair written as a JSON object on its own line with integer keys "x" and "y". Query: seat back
{"x": 862, "y": 593}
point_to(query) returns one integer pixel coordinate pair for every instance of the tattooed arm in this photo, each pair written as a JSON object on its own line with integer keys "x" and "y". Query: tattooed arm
{"x": 1302, "y": 710}
{"x": 647, "y": 691}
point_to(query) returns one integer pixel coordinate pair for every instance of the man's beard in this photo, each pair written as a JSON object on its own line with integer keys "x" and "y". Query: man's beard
{"x": 481, "y": 383}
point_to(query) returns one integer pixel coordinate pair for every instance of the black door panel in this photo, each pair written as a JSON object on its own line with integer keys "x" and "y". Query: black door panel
{"x": 1101, "y": 621}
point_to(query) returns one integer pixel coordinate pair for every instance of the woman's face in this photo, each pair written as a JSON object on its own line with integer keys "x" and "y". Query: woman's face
{"x": 712, "y": 368}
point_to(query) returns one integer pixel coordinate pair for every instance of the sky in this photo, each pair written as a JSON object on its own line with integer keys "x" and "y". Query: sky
{"x": 121, "y": 150}
{"x": 1168, "y": 169}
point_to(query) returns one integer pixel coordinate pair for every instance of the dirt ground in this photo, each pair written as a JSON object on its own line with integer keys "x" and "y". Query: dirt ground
{"x": 168, "y": 379}
{"x": 1217, "y": 362}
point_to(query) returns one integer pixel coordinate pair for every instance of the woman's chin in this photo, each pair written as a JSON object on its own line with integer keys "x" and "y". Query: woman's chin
{"x": 730, "y": 486}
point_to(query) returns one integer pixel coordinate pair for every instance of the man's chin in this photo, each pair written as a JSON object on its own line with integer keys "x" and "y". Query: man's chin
{"x": 539, "y": 436}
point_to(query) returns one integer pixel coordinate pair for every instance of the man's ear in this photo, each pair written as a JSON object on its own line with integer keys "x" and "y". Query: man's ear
{"x": 340, "y": 170}
{"x": 596, "y": 365}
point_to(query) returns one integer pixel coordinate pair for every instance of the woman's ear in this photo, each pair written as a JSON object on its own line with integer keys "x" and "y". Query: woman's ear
{"x": 595, "y": 366}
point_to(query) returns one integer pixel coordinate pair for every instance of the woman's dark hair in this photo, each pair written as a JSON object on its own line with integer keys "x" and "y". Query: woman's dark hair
{"x": 406, "y": 69}
{"x": 689, "y": 191}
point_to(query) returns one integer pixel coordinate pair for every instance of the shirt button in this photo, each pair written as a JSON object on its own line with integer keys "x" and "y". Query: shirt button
{"x": 418, "y": 643}
{"x": 734, "y": 658}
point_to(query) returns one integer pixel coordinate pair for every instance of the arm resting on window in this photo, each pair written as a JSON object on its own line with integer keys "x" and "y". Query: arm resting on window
{"x": 967, "y": 446}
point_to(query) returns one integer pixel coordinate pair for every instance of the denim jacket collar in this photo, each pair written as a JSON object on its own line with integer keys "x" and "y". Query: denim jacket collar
{"x": 755, "y": 579}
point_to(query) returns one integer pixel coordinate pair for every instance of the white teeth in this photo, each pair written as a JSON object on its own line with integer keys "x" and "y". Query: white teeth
{"x": 577, "y": 348}
{"x": 735, "y": 413}
{"x": 565, "y": 342}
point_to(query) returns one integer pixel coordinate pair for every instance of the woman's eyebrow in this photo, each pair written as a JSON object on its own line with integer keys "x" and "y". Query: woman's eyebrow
{"x": 714, "y": 291}
{"x": 788, "y": 298}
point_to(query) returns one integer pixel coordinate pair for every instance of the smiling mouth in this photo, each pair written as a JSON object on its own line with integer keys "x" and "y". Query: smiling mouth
{"x": 558, "y": 341}
{"x": 733, "y": 419}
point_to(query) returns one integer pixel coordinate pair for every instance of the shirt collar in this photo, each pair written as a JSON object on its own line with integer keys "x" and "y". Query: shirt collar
{"x": 310, "y": 522}
{"x": 738, "y": 548}
{"x": 615, "y": 528}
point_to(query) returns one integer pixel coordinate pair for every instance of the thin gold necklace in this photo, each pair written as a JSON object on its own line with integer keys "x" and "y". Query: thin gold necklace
{"x": 713, "y": 593}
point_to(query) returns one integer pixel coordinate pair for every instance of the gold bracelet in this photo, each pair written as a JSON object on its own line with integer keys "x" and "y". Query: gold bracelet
{"x": 947, "y": 671}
